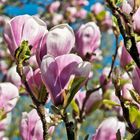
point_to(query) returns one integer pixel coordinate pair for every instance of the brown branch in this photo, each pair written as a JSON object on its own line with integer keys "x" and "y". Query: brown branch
{"x": 128, "y": 36}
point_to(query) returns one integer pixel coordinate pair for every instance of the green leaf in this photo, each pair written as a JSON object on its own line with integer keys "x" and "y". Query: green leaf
{"x": 135, "y": 96}
{"x": 73, "y": 88}
{"x": 75, "y": 106}
{"x": 109, "y": 102}
{"x": 101, "y": 15}
{"x": 2, "y": 114}
{"x": 23, "y": 52}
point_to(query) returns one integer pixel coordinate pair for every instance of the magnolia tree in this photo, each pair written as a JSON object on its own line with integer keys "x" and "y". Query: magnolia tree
{"x": 68, "y": 64}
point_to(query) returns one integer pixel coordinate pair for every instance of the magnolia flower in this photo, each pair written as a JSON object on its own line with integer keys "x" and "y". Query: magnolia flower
{"x": 92, "y": 102}
{"x": 124, "y": 56}
{"x": 31, "y": 126}
{"x": 8, "y": 96}
{"x": 13, "y": 76}
{"x": 126, "y": 91}
{"x": 107, "y": 21}
{"x": 104, "y": 77}
{"x": 81, "y": 13}
{"x": 136, "y": 79}
{"x": 97, "y": 8}
{"x": 22, "y": 28}
{"x": 57, "y": 18}
{"x": 71, "y": 13}
{"x": 60, "y": 40}
{"x": 126, "y": 7}
{"x": 108, "y": 128}
{"x": 35, "y": 82}
{"x": 41, "y": 50}
{"x": 80, "y": 2}
{"x": 53, "y": 7}
{"x": 4, "y": 123}
{"x": 88, "y": 39}
{"x": 136, "y": 21}
{"x": 57, "y": 73}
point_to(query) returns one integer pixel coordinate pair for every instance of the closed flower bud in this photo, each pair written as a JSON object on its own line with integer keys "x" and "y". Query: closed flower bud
{"x": 88, "y": 39}
{"x": 60, "y": 40}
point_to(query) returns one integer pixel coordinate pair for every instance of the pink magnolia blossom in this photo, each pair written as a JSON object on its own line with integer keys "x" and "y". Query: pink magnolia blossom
{"x": 97, "y": 8}
{"x": 53, "y": 7}
{"x": 126, "y": 91}
{"x": 93, "y": 100}
{"x": 57, "y": 73}
{"x": 57, "y": 18}
{"x": 31, "y": 126}
{"x": 124, "y": 56}
{"x": 41, "y": 50}
{"x": 3, "y": 20}
{"x": 21, "y": 28}
{"x": 126, "y": 7}
{"x": 35, "y": 81}
{"x": 81, "y": 14}
{"x": 80, "y": 2}
{"x": 136, "y": 21}
{"x": 136, "y": 79}
{"x": 8, "y": 96}
{"x": 107, "y": 21}
{"x": 103, "y": 79}
{"x": 108, "y": 128}
{"x": 4, "y": 123}
{"x": 60, "y": 40}
{"x": 13, "y": 76}
{"x": 88, "y": 39}
{"x": 71, "y": 13}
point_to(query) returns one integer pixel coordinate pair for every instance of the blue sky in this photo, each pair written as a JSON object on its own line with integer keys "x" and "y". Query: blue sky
{"x": 33, "y": 8}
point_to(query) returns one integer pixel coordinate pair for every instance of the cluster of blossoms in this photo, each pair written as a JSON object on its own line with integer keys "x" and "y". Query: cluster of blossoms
{"x": 55, "y": 64}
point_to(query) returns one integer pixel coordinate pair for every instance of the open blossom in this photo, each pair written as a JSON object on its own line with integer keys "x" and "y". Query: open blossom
{"x": 92, "y": 102}
{"x": 108, "y": 128}
{"x": 60, "y": 40}
{"x": 31, "y": 126}
{"x": 88, "y": 39}
{"x": 8, "y": 96}
{"x": 57, "y": 72}
{"x": 24, "y": 27}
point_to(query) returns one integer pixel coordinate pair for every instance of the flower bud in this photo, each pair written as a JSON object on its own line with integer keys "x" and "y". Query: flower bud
{"x": 88, "y": 39}
{"x": 136, "y": 79}
{"x": 13, "y": 77}
{"x": 108, "y": 128}
{"x": 60, "y": 40}
{"x": 8, "y": 96}
{"x": 57, "y": 72}
{"x": 31, "y": 126}
{"x": 136, "y": 21}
